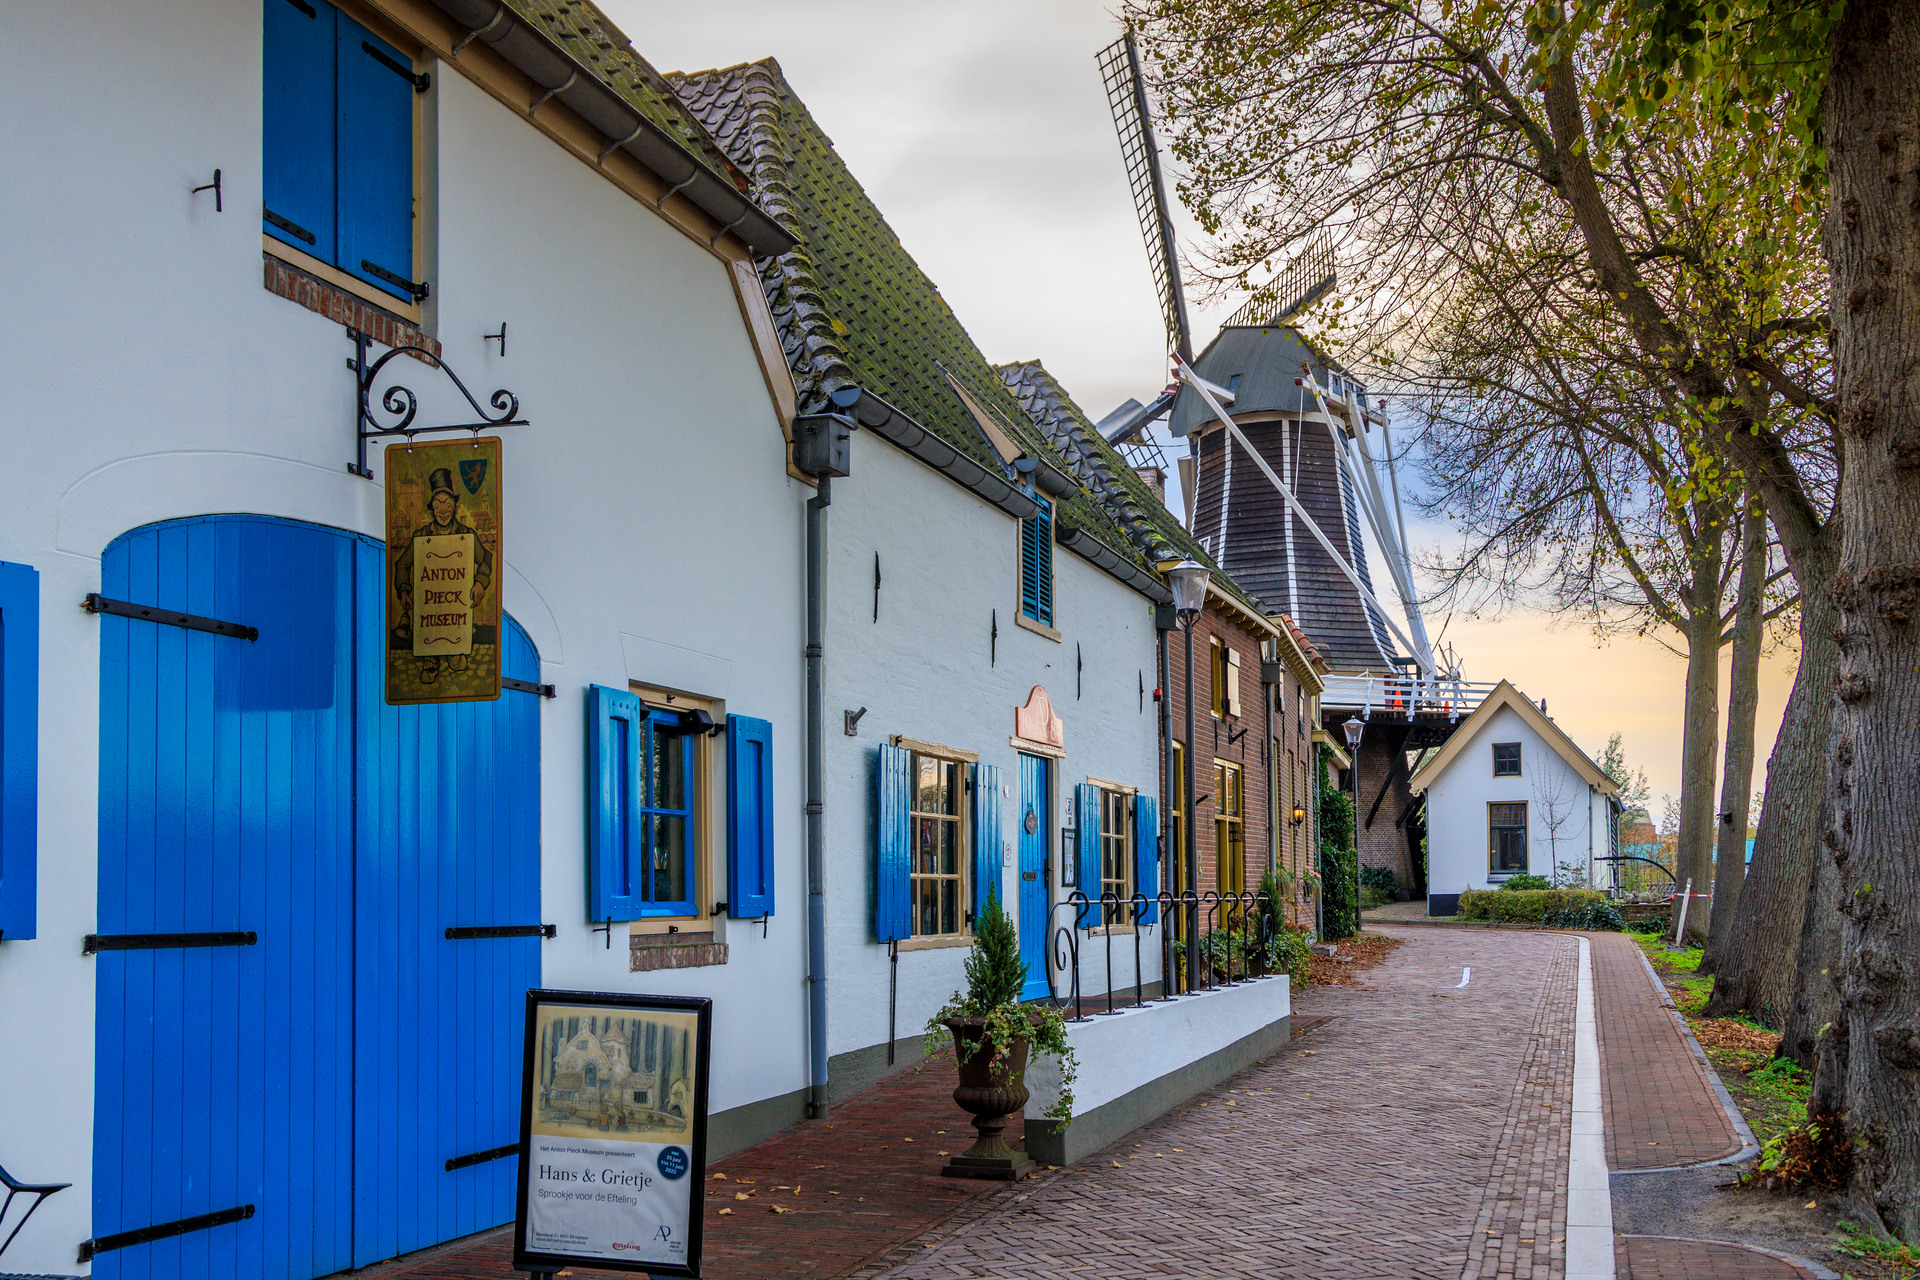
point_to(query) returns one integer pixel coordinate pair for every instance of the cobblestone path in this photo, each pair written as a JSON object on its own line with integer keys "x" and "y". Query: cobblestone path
{"x": 1420, "y": 1132}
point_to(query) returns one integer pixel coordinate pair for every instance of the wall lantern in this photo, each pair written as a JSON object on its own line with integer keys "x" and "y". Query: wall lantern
{"x": 1189, "y": 582}
{"x": 1299, "y": 814}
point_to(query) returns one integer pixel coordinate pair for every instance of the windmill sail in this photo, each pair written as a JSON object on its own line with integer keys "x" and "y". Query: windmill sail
{"x": 1127, "y": 99}
{"x": 1304, "y": 281}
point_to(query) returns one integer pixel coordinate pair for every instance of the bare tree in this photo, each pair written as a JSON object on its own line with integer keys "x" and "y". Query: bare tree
{"x": 1557, "y": 803}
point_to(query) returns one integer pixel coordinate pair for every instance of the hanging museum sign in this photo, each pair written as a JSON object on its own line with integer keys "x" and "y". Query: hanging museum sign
{"x": 443, "y": 571}
{"x": 613, "y": 1133}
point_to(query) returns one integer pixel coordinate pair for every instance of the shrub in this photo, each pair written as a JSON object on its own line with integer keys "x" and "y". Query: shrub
{"x": 1380, "y": 878}
{"x": 1524, "y": 883}
{"x": 1524, "y": 906}
{"x": 1289, "y": 953}
{"x": 1594, "y": 915}
{"x": 1340, "y": 912}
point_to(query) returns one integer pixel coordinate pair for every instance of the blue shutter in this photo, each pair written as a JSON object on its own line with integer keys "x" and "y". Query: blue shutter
{"x": 1036, "y": 565}
{"x": 987, "y": 837}
{"x": 297, "y": 124}
{"x": 749, "y": 817}
{"x": 1086, "y": 803}
{"x": 892, "y": 871}
{"x": 19, "y": 747}
{"x": 375, "y": 160}
{"x": 616, "y": 734}
{"x": 1146, "y": 854}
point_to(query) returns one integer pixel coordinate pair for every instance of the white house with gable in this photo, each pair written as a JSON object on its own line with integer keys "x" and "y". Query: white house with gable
{"x": 265, "y": 936}
{"x": 1509, "y": 794}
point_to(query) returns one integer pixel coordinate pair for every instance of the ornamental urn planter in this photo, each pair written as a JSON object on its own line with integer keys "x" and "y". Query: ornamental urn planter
{"x": 992, "y": 1091}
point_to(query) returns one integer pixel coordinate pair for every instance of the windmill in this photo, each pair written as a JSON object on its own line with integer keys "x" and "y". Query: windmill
{"x": 1282, "y": 466}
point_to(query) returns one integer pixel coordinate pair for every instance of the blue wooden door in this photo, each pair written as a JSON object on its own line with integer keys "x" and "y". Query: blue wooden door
{"x": 448, "y": 837}
{"x": 262, "y": 786}
{"x": 1035, "y": 830}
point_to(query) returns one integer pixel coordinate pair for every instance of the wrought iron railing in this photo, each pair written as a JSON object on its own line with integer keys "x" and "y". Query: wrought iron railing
{"x": 1187, "y": 960}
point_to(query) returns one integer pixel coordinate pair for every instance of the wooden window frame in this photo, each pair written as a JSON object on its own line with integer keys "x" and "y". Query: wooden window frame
{"x": 707, "y": 766}
{"x": 1229, "y": 824}
{"x": 1519, "y": 757}
{"x": 1493, "y": 841}
{"x": 961, "y": 878}
{"x": 1116, "y": 806}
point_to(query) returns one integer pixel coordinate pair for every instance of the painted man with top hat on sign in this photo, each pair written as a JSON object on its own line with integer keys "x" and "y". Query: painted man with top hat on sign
{"x": 443, "y": 510}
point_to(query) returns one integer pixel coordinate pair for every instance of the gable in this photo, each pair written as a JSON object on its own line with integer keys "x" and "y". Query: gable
{"x": 1474, "y": 732}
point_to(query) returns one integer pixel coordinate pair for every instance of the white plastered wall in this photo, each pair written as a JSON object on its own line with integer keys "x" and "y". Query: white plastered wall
{"x": 1457, "y": 800}
{"x": 650, "y": 528}
{"x": 930, "y": 669}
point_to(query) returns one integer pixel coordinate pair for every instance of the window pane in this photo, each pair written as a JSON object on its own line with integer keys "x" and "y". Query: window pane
{"x": 949, "y": 847}
{"x": 667, "y": 769}
{"x": 949, "y": 906}
{"x": 950, "y": 789}
{"x": 668, "y": 834}
{"x": 927, "y": 786}
{"x": 927, "y": 846}
{"x": 926, "y": 895}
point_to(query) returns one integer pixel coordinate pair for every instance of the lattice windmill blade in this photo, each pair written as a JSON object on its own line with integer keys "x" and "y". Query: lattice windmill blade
{"x": 1304, "y": 281}
{"x": 1132, "y": 119}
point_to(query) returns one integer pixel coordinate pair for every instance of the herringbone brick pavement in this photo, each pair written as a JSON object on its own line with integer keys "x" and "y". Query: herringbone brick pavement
{"x": 1657, "y": 1258}
{"x": 1387, "y": 1143}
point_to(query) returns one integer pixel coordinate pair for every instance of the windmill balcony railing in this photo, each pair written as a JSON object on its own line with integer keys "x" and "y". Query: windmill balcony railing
{"x": 1403, "y": 697}
{"x": 1209, "y": 945}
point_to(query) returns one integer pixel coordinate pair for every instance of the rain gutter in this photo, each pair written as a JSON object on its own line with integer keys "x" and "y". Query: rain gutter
{"x": 566, "y": 79}
{"x": 887, "y": 422}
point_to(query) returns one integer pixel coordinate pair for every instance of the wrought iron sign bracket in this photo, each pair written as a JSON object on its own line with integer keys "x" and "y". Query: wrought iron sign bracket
{"x": 402, "y": 405}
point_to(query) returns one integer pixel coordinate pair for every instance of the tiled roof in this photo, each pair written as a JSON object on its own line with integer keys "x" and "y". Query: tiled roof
{"x": 592, "y": 39}
{"x": 1152, "y": 531}
{"x": 853, "y": 307}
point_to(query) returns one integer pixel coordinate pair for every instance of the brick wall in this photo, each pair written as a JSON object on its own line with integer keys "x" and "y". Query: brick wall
{"x": 1383, "y": 844}
{"x": 1266, "y": 843}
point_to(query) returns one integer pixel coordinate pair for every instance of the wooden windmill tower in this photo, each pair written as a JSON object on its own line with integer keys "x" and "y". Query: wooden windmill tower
{"x": 1285, "y": 490}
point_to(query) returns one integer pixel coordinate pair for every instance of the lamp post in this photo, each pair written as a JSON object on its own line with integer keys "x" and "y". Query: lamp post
{"x": 1189, "y": 582}
{"x": 1353, "y": 728}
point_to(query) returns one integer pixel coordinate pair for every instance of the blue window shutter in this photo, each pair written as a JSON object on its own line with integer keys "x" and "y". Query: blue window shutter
{"x": 19, "y": 748}
{"x": 1086, "y": 803}
{"x": 616, "y": 734}
{"x": 1036, "y": 565}
{"x": 1146, "y": 854}
{"x": 987, "y": 836}
{"x": 892, "y": 886}
{"x": 297, "y": 124}
{"x": 749, "y": 817}
{"x": 375, "y": 153}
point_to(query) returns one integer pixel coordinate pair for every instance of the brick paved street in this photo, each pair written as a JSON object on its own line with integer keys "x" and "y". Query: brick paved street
{"x": 1661, "y": 1109}
{"x": 1422, "y": 1129}
{"x": 1413, "y": 1128}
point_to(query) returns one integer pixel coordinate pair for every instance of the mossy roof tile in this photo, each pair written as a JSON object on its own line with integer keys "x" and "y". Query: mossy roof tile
{"x": 853, "y": 307}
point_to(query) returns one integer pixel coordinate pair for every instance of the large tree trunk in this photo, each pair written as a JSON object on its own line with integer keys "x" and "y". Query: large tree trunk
{"x": 1816, "y": 995}
{"x": 1872, "y": 121}
{"x": 1758, "y": 962}
{"x": 1743, "y": 708}
{"x": 1700, "y": 738}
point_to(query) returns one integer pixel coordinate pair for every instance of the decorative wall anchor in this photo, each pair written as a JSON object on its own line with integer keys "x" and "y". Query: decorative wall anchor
{"x": 500, "y": 337}
{"x": 853, "y": 722}
{"x": 403, "y": 404}
{"x": 214, "y": 187}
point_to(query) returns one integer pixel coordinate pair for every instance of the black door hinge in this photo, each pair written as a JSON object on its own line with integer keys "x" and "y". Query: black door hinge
{"x": 419, "y": 79}
{"x": 418, "y": 292}
{"x": 96, "y": 603}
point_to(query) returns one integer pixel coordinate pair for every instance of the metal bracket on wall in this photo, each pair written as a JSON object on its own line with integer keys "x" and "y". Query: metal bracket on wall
{"x": 214, "y": 187}
{"x": 607, "y": 929}
{"x": 528, "y": 686}
{"x": 403, "y": 404}
{"x": 853, "y": 721}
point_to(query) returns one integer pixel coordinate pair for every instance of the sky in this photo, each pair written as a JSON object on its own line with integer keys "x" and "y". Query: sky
{"x": 981, "y": 131}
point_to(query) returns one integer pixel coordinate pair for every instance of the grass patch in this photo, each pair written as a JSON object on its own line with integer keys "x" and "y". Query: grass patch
{"x": 1890, "y": 1256}
{"x": 1680, "y": 971}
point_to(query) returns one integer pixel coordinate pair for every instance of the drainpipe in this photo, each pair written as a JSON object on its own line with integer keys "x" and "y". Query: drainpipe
{"x": 816, "y": 801}
{"x": 1192, "y": 858}
{"x": 1164, "y": 613}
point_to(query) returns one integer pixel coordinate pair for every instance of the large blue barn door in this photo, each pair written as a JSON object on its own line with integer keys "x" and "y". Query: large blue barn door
{"x": 264, "y": 787}
{"x": 449, "y": 830}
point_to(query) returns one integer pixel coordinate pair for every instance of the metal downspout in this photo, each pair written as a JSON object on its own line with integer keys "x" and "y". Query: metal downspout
{"x": 816, "y": 801}
{"x": 1192, "y": 858}
{"x": 1167, "y": 842}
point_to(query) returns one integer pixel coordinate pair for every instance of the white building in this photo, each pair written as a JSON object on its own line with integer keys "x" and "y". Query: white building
{"x": 990, "y": 637}
{"x": 289, "y": 1051}
{"x": 1511, "y": 793}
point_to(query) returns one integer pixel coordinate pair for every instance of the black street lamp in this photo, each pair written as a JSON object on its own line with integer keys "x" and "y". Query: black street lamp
{"x": 1189, "y": 582}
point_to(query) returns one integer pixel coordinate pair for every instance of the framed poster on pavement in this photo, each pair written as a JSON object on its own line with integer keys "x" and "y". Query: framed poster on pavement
{"x": 613, "y": 1133}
